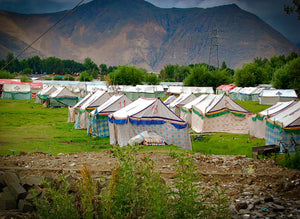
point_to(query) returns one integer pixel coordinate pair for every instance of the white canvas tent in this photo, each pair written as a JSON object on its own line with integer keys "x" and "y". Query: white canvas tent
{"x": 234, "y": 93}
{"x": 219, "y": 113}
{"x": 95, "y": 100}
{"x": 43, "y": 94}
{"x": 148, "y": 114}
{"x": 73, "y": 111}
{"x": 98, "y": 123}
{"x": 16, "y": 91}
{"x": 198, "y": 90}
{"x": 284, "y": 128}
{"x": 183, "y": 99}
{"x": 258, "y": 121}
{"x": 186, "y": 110}
{"x": 169, "y": 100}
{"x": 62, "y": 97}
{"x": 272, "y": 96}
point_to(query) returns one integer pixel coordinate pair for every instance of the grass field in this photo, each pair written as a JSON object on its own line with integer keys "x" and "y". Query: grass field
{"x": 28, "y": 127}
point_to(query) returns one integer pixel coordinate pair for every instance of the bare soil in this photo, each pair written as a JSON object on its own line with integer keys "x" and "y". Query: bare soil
{"x": 237, "y": 175}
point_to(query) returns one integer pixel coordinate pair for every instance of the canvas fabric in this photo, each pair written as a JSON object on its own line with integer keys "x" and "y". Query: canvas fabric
{"x": 16, "y": 95}
{"x": 258, "y": 128}
{"x": 98, "y": 126}
{"x": 61, "y": 102}
{"x": 170, "y": 134}
{"x": 81, "y": 120}
{"x": 71, "y": 114}
{"x": 274, "y": 136}
{"x": 225, "y": 123}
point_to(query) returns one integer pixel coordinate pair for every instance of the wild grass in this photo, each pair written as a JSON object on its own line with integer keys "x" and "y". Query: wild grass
{"x": 28, "y": 127}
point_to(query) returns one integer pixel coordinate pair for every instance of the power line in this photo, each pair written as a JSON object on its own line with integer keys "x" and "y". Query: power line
{"x": 39, "y": 37}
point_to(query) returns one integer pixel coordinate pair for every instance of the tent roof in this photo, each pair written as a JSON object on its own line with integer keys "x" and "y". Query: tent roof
{"x": 175, "y": 89}
{"x": 235, "y": 90}
{"x": 198, "y": 90}
{"x": 48, "y": 90}
{"x": 213, "y": 104}
{"x": 226, "y": 87}
{"x": 288, "y": 118}
{"x": 279, "y": 93}
{"x": 112, "y": 104}
{"x": 148, "y": 109}
{"x": 183, "y": 99}
{"x": 248, "y": 90}
{"x": 9, "y": 81}
{"x": 83, "y": 100}
{"x": 95, "y": 100}
{"x": 277, "y": 108}
{"x": 195, "y": 101}
{"x": 16, "y": 88}
{"x": 62, "y": 92}
{"x": 170, "y": 99}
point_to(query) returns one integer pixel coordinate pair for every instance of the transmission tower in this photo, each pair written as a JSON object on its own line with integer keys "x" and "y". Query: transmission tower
{"x": 214, "y": 48}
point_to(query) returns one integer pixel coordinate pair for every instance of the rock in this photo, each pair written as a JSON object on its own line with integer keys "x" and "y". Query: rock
{"x": 32, "y": 180}
{"x": 25, "y": 205}
{"x": 72, "y": 164}
{"x": 268, "y": 199}
{"x": 7, "y": 200}
{"x": 13, "y": 183}
{"x": 278, "y": 208}
{"x": 246, "y": 216}
{"x": 240, "y": 205}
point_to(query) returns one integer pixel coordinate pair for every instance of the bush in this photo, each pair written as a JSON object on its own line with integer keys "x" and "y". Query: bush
{"x": 68, "y": 78}
{"x": 291, "y": 161}
{"x": 25, "y": 79}
{"x": 6, "y": 75}
{"x": 136, "y": 190}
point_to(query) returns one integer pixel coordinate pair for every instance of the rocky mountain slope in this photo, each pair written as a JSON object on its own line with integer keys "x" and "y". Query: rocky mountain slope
{"x": 135, "y": 32}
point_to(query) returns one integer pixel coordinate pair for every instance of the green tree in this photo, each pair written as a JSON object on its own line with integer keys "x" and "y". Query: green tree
{"x": 168, "y": 72}
{"x": 250, "y": 75}
{"x": 127, "y": 75}
{"x": 27, "y": 71}
{"x": 181, "y": 72}
{"x": 221, "y": 76}
{"x": 85, "y": 76}
{"x": 288, "y": 77}
{"x": 6, "y": 74}
{"x": 151, "y": 78}
{"x": 200, "y": 76}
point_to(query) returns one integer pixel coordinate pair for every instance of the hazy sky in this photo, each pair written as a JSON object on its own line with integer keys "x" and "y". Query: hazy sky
{"x": 271, "y": 11}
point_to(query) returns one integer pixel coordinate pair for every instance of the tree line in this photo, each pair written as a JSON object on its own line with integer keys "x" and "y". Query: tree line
{"x": 281, "y": 71}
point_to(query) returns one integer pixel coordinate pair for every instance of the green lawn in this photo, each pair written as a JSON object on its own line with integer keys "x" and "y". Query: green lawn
{"x": 27, "y": 126}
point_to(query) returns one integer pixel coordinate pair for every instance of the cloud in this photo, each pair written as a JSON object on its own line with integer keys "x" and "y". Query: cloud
{"x": 37, "y": 6}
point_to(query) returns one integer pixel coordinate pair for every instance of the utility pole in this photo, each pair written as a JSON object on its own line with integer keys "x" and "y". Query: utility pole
{"x": 214, "y": 48}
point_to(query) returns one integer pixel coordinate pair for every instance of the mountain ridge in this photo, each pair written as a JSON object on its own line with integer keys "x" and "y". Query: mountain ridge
{"x": 138, "y": 33}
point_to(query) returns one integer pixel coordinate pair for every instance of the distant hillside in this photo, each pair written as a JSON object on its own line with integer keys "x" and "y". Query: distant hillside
{"x": 135, "y": 32}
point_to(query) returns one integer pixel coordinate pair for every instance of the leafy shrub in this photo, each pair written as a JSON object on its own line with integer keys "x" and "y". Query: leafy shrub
{"x": 25, "y": 79}
{"x": 68, "y": 78}
{"x": 292, "y": 161}
{"x": 6, "y": 75}
{"x": 135, "y": 190}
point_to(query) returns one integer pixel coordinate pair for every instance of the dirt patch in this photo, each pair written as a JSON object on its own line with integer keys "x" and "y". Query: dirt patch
{"x": 237, "y": 175}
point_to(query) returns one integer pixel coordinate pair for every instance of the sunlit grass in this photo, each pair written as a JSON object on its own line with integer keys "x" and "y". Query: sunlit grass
{"x": 28, "y": 127}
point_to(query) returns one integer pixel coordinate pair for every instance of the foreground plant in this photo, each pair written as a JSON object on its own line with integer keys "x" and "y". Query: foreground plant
{"x": 136, "y": 190}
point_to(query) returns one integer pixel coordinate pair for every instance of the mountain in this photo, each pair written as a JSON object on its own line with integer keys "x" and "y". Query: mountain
{"x": 135, "y": 32}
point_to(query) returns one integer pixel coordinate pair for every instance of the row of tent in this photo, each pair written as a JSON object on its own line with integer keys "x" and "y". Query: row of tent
{"x": 278, "y": 124}
{"x": 55, "y": 97}
{"x": 265, "y": 95}
{"x": 120, "y": 118}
